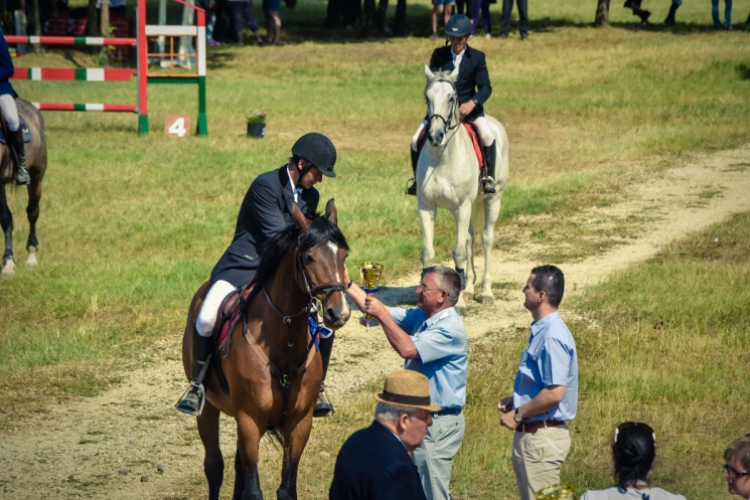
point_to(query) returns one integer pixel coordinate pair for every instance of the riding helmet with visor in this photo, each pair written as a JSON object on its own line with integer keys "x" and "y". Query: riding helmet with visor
{"x": 458, "y": 25}
{"x": 318, "y": 151}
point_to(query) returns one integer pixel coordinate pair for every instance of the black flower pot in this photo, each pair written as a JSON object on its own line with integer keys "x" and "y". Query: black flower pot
{"x": 256, "y": 130}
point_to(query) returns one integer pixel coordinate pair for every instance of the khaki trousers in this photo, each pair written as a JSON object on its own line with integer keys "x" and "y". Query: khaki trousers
{"x": 537, "y": 458}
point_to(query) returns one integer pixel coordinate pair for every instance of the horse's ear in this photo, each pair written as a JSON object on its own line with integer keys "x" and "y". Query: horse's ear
{"x": 331, "y": 212}
{"x": 428, "y": 73}
{"x": 454, "y": 75}
{"x": 299, "y": 218}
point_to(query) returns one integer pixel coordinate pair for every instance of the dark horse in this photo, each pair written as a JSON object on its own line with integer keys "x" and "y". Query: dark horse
{"x": 36, "y": 161}
{"x": 272, "y": 369}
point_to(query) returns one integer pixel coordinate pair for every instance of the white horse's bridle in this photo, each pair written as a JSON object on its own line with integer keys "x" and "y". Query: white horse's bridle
{"x": 448, "y": 122}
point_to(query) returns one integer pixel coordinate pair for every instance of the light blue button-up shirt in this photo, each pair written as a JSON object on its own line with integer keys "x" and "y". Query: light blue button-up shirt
{"x": 443, "y": 352}
{"x": 549, "y": 359}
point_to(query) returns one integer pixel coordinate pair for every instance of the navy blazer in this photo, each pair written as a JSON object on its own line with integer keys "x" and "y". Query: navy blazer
{"x": 473, "y": 78}
{"x": 6, "y": 67}
{"x": 266, "y": 210}
{"x": 373, "y": 464}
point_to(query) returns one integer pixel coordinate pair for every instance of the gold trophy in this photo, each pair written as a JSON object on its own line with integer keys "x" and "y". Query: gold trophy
{"x": 556, "y": 492}
{"x": 371, "y": 273}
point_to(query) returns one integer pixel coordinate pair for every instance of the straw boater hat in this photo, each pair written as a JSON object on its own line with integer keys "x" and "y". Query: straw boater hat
{"x": 407, "y": 389}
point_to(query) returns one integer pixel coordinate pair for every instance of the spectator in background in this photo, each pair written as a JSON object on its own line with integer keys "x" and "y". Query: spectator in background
{"x": 374, "y": 463}
{"x": 635, "y": 5}
{"x": 545, "y": 392}
{"x": 271, "y": 9}
{"x": 633, "y": 454}
{"x": 447, "y": 12}
{"x": 210, "y": 7}
{"x": 737, "y": 468}
{"x": 727, "y": 14}
{"x": 240, "y": 9}
{"x": 487, "y": 22}
{"x": 523, "y": 18}
{"x": 116, "y": 7}
{"x": 670, "y": 20}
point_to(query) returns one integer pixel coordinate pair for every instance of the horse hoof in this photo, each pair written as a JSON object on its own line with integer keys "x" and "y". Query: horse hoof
{"x": 486, "y": 300}
{"x": 9, "y": 269}
{"x": 31, "y": 260}
{"x": 468, "y": 296}
{"x": 460, "y": 309}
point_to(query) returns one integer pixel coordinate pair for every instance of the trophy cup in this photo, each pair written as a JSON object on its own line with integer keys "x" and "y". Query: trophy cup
{"x": 556, "y": 492}
{"x": 371, "y": 272}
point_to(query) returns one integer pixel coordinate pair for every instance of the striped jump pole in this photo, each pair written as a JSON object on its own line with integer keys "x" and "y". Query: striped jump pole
{"x": 64, "y": 106}
{"x": 70, "y": 40}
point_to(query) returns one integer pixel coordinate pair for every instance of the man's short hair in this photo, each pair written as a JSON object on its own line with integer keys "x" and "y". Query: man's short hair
{"x": 446, "y": 279}
{"x": 390, "y": 413}
{"x": 550, "y": 279}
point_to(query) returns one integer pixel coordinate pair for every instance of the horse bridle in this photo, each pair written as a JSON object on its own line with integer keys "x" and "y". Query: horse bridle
{"x": 449, "y": 121}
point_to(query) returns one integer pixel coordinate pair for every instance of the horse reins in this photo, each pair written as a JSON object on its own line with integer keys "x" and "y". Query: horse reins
{"x": 295, "y": 369}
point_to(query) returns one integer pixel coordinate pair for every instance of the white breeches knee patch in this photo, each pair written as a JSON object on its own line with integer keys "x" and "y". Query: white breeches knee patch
{"x": 204, "y": 323}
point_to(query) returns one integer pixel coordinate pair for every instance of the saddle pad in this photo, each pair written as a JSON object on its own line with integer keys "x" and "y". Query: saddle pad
{"x": 24, "y": 128}
{"x": 475, "y": 141}
{"x": 229, "y": 320}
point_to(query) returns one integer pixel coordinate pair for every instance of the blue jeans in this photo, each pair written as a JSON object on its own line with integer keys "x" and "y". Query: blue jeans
{"x": 727, "y": 13}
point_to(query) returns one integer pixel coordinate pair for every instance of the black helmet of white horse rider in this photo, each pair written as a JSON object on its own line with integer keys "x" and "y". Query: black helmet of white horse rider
{"x": 317, "y": 150}
{"x": 458, "y": 25}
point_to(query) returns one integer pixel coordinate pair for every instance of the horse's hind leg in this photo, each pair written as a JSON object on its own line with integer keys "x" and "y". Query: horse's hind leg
{"x": 213, "y": 463}
{"x": 460, "y": 253}
{"x": 491, "y": 214}
{"x": 32, "y": 211}
{"x": 6, "y": 222}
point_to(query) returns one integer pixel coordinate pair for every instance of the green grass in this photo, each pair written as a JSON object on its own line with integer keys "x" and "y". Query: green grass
{"x": 130, "y": 226}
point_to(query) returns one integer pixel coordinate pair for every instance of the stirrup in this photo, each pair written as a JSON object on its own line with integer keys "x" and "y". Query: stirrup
{"x": 411, "y": 188}
{"x": 186, "y": 405}
{"x": 22, "y": 176}
{"x": 323, "y": 407}
{"x": 488, "y": 185}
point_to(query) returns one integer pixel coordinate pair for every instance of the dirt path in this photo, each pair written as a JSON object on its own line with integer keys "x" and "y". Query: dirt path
{"x": 129, "y": 443}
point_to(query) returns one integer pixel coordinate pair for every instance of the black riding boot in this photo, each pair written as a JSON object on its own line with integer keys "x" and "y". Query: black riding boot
{"x": 488, "y": 181}
{"x": 324, "y": 408}
{"x": 412, "y": 189}
{"x": 670, "y": 17}
{"x": 22, "y": 174}
{"x": 191, "y": 401}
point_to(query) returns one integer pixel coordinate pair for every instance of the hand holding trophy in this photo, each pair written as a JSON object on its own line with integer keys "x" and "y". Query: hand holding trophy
{"x": 556, "y": 492}
{"x": 371, "y": 273}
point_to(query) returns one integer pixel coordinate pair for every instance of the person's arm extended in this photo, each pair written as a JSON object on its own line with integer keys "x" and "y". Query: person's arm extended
{"x": 398, "y": 338}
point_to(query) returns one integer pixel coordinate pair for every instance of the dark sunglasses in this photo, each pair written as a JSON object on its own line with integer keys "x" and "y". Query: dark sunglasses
{"x": 734, "y": 473}
{"x": 627, "y": 425}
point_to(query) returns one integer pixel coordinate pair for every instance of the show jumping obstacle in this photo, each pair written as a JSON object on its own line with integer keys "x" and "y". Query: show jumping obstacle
{"x": 140, "y": 42}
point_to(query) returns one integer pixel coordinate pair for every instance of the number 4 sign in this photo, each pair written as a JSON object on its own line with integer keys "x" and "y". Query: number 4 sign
{"x": 177, "y": 125}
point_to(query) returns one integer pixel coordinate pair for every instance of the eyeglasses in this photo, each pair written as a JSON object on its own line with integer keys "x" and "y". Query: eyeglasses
{"x": 627, "y": 425}
{"x": 421, "y": 288}
{"x": 734, "y": 473}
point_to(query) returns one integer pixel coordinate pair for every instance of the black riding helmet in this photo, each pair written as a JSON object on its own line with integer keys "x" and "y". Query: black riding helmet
{"x": 458, "y": 25}
{"x": 318, "y": 150}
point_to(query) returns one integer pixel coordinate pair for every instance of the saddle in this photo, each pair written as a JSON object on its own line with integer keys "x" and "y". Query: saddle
{"x": 7, "y": 160}
{"x": 476, "y": 140}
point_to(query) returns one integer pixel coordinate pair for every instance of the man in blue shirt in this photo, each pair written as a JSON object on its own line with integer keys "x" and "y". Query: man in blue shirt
{"x": 545, "y": 392}
{"x": 432, "y": 340}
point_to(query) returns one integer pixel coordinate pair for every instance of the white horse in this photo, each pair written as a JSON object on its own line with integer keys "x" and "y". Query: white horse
{"x": 448, "y": 177}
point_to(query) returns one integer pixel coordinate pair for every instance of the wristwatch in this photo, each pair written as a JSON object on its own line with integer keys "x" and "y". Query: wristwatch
{"x": 475, "y": 102}
{"x": 518, "y": 417}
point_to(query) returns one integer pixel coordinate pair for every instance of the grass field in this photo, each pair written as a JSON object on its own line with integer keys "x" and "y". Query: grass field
{"x": 130, "y": 226}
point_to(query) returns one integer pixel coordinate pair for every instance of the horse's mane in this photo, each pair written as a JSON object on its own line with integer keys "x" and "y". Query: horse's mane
{"x": 320, "y": 230}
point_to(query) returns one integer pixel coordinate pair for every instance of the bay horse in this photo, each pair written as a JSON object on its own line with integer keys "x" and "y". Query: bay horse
{"x": 36, "y": 161}
{"x": 448, "y": 177}
{"x": 272, "y": 370}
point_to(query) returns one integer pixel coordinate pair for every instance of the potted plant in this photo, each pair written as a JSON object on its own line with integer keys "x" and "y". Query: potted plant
{"x": 256, "y": 123}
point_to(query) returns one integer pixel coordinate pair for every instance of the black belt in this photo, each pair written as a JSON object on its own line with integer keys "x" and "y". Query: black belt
{"x": 447, "y": 411}
{"x": 532, "y": 427}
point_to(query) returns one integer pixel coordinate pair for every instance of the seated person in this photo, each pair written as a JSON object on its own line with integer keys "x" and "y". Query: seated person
{"x": 737, "y": 466}
{"x": 633, "y": 454}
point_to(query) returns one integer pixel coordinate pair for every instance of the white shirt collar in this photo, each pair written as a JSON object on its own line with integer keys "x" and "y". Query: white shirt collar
{"x": 296, "y": 190}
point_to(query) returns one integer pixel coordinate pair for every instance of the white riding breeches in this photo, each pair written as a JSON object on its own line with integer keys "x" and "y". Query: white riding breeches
{"x": 483, "y": 127}
{"x": 10, "y": 111}
{"x": 204, "y": 323}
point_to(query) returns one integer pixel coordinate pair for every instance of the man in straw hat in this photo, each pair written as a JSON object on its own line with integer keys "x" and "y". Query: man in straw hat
{"x": 432, "y": 340}
{"x": 374, "y": 463}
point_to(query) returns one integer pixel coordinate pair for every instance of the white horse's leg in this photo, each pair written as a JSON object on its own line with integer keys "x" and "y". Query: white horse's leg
{"x": 463, "y": 219}
{"x": 427, "y": 221}
{"x": 491, "y": 213}
{"x": 471, "y": 275}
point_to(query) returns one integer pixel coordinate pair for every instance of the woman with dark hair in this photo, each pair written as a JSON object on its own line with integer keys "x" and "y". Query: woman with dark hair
{"x": 634, "y": 454}
{"x": 737, "y": 466}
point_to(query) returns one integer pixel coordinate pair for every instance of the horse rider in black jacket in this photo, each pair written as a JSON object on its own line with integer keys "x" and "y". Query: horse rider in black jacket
{"x": 266, "y": 210}
{"x": 472, "y": 88}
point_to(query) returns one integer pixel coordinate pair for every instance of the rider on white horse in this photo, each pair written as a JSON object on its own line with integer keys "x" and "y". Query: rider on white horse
{"x": 10, "y": 111}
{"x": 473, "y": 89}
